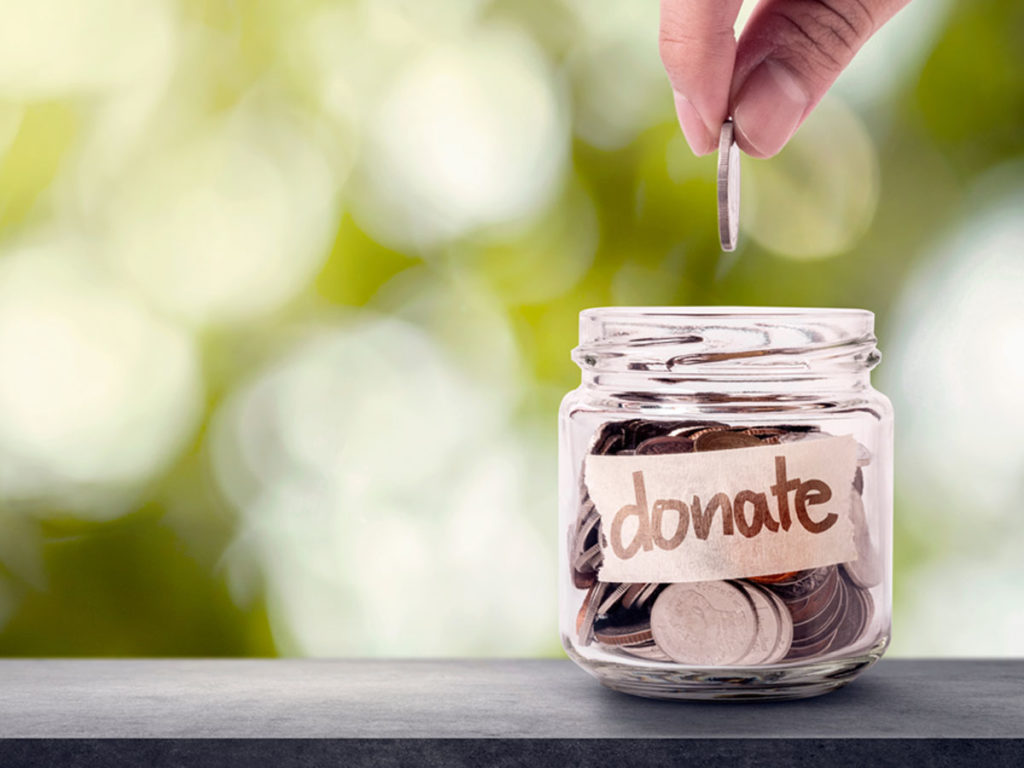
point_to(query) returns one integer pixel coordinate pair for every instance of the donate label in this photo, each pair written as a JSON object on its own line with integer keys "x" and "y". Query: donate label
{"x": 724, "y": 514}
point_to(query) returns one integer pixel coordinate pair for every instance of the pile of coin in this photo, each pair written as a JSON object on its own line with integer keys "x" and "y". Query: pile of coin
{"x": 767, "y": 619}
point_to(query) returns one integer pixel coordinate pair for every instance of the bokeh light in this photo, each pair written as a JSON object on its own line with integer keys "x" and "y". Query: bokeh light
{"x": 56, "y": 47}
{"x": 250, "y": 204}
{"x": 817, "y": 198}
{"x": 97, "y": 393}
{"x": 620, "y": 86}
{"x": 378, "y": 485}
{"x": 287, "y": 292}
{"x": 449, "y": 151}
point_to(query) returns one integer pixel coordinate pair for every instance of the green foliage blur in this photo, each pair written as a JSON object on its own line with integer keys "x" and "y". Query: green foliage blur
{"x": 147, "y": 563}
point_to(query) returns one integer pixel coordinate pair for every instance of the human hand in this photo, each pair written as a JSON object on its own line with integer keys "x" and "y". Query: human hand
{"x": 788, "y": 55}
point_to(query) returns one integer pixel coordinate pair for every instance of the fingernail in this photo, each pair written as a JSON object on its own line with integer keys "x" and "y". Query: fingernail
{"x": 769, "y": 108}
{"x": 696, "y": 133}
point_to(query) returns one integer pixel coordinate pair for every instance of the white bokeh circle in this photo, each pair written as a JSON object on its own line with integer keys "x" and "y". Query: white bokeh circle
{"x": 469, "y": 134}
{"x": 53, "y": 48}
{"x": 385, "y": 501}
{"x": 955, "y": 373}
{"x": 97, "y": 395}
{"x": 958, "y": 368}
{"x": 619, "y": 82}
{"x": 230, "y": 223}
{"x": 817, "y": 198}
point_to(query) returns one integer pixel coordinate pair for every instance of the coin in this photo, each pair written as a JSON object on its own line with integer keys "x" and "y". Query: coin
{"x": 854, "y": 621}
{"x": 612, "y": 598}
{"x": 691, "y": 428}
{"x": 810, "y": 607}
{"x": 786, "y": 639}
{"x": 647, "y": 593}
{"x": 722, "y": 440}
{"x": 706, "y": 623}
{"x": 631, "y": 594}
{"x": 648, "y": 651}
{"x": 728, "y": 188}
{"x": 801, "y": 585}
{"x": 607, "y": 438}
{"x": 588, "y": 613}
{"x": 773, "y": 578}
{"x": 628, "y": 634}
{"x": 664, "y": 444}
{"x": 769, "y": 626}
{"x": 815, "y": 634}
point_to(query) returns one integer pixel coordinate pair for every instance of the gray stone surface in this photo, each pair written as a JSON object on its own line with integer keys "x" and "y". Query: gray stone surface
{"x": 365, "y": 699}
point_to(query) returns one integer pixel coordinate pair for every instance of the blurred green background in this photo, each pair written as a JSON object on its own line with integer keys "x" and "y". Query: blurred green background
{"x": 288, "y": 289}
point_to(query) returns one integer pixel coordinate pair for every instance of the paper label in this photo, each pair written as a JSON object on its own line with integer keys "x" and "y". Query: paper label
{"x": 725, "y": 514}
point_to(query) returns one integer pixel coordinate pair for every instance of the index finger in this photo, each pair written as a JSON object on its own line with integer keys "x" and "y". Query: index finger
{"x": 698, "y": 49}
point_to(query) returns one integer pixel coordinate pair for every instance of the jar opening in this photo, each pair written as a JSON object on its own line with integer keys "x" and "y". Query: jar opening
{"x": 727, "y": 341}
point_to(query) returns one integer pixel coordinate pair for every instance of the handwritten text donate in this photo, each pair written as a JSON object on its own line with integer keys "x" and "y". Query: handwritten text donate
{"x": 724, "y": 514}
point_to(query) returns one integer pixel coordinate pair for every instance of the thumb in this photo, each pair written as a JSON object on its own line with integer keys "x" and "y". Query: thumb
{"x": 790, "y": 53}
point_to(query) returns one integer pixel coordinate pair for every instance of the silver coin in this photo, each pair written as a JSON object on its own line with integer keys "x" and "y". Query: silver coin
{"x": 728, "y": 188}
{"x": 612, "y": 599}
{"x": 769, "y": 626}
{"x": 705, "y": 623}
{"x": 645, "y": 594}
{"x": 786, "y": 635}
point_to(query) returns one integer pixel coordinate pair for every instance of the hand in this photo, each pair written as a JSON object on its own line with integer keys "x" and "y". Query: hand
{"x": 789, "y": 54}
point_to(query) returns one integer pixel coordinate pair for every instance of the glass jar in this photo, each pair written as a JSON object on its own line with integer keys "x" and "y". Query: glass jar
{"x": 726, "y": 501}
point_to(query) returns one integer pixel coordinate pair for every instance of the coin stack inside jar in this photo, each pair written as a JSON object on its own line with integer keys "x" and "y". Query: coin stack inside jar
{"x": 765, "y": 619}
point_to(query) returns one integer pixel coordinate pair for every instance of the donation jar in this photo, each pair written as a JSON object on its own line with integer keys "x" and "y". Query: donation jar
{"x": 725, "y": 501}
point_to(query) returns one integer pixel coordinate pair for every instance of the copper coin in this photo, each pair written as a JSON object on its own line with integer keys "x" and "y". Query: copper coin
{"x": 692, "y": 428}
{"x": 583, "y": 579}
{"x": 588, "y": 613}
{"x": 632, "y": 593}
{"x": 607, "y": 439}
{"x": 664, "y": 444}
{"x": 773, "y": 578}
{"x": 724, "y": 441}
{"x": 646, "y": 594}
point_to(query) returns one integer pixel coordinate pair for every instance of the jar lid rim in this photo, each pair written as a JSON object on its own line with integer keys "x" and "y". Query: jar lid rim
{"x": 718, "y": 312}
{"x": 726, "y": 340}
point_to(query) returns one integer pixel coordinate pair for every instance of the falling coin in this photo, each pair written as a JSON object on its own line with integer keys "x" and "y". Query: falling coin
{"x": 728, "y": 188}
